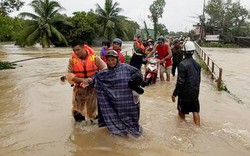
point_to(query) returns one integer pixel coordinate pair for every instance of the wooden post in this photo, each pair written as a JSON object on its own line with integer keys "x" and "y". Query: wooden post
{"x": 219, "y": 82}
{"x": 212, "y": 76}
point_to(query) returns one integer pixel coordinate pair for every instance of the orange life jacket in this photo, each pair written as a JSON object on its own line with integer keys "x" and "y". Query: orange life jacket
{"x": 139, "y": 45}
{"x": 87, "y": 69}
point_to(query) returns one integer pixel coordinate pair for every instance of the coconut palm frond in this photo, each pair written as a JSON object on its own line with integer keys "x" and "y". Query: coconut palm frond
{"x": 45, "y": 16}
{"x": 31, "y": 38}
{"x": 108, "y": 17}
{"x": 59, "y": 36}
{"x": 27, "y": 14}
{"x": 47, "y": 27}
{"x": 45, "y": 40}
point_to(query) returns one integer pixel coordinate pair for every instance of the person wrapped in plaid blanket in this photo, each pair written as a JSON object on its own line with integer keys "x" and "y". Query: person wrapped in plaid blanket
{"x": 118, "y": 89}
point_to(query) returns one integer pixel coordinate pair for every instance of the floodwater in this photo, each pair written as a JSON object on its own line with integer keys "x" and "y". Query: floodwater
{"x": 35, "y": 114}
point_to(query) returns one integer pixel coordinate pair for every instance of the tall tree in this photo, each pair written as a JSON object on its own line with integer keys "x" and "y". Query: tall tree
{"x": 8, "y": 6}
{"x": 85, "y": 26}
{"x": 162, "y": 29}
{"x": 41, "y": 28}
{"x": 228, "y": 17}
{"x": 156, "y": 9}
{"x": 9, "y": 28}
{"x": 109, "y": 17}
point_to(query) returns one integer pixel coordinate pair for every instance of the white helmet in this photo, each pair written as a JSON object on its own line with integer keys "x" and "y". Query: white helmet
{"x": 188, "y": 46}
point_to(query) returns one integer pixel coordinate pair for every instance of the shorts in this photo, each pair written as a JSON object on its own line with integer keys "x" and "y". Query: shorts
{"x": 165, "y": 69}
{"x": 188, "y": 106}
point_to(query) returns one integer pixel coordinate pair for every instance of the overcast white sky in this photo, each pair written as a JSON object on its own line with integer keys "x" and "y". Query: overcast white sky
{"x": 176, "y": 17}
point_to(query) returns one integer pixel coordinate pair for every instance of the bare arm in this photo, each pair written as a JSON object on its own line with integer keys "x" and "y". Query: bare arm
{"x": 100, "y": 63}
{"x": 169, "y": 53}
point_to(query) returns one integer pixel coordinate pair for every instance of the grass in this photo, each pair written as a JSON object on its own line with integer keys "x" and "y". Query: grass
{"x": 6, "y": 65}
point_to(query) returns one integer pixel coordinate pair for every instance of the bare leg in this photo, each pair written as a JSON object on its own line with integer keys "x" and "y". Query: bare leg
{"x": 181, "y": 115}
{"x": 196, "y": 117}
{"x": 168, "y": 76}
{"x": 162, "y": 69}
{"x": 161, "y": 77}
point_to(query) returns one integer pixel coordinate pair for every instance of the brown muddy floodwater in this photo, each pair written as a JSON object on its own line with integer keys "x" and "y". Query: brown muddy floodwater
{"x": 35, "y": 114}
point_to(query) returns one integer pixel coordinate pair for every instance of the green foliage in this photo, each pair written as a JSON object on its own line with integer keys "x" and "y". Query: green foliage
{"x": 84, "y": 28}
{"x": 227, "y": 18}
{"x": 109, "y": 18}
{"x": 130, "y": 29}
{"x": 8, "y": 6}
{"x": 162, "y": 29}
{"x": 9, "y": 28}
{"x": 156, "y": 9}
{"x": 41, "y": 28}
{"x": 6, "y": 65}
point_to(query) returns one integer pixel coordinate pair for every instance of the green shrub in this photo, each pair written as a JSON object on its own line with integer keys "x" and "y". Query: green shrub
{"x": 6, "y": 65}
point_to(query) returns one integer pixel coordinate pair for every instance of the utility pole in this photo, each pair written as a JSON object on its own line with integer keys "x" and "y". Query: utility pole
{"x": 202, "y": 20}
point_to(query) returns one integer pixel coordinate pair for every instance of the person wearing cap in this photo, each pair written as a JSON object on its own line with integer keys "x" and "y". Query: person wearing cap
{"x": 116, "y": 45}
{"x": 188, "y": 84}
{"x": 164, "y": 54}
{"x": 177, "y": 55}
{"x": 82, "y": 65}
{"x": 118, "y": 89}
{"x": 138, "y": 54}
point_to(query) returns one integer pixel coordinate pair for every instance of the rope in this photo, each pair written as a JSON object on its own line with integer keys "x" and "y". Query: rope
{"x": 29, "y": 59}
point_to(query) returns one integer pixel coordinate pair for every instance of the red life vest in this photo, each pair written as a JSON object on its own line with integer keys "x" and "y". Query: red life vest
{"x": 87, "y": 69}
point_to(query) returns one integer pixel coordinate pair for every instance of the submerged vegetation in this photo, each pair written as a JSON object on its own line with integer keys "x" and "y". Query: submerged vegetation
{"x": 6, "y": 65}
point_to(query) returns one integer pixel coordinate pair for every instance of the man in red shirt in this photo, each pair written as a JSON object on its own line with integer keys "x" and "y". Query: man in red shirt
{"x": 164, "y": 54}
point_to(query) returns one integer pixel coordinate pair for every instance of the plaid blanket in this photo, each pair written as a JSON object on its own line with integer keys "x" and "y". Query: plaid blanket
{"x": 116, "y": 107}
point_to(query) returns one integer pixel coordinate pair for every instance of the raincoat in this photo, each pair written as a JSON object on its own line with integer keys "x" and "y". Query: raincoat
{"x": 117, "y": 108}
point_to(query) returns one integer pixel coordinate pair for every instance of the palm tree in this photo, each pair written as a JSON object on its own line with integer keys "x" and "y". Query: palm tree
{"x": 109, "y": 17}
{"x": 42, "y": 24}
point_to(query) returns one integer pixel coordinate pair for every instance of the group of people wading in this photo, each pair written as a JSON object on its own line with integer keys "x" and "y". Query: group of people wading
{"x": 107, "y": 89}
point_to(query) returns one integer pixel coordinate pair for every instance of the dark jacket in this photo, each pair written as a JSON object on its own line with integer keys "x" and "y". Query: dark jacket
{"x": 188, "y": 80}
{"x": 177, "y": 55}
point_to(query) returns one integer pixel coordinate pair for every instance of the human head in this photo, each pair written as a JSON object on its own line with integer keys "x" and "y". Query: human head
{"x": 138, "y": 36}
{"x": 149, "y": 41}
{"x": 117, "y": 43}
{"x": 188, "y": 48}
{"x": 106, "y": 44}
{"x": 79, "y": 50}
{"x": 161, "y": 41}
{"x": 112, "y": 58}
{"x": 177, "y": 43}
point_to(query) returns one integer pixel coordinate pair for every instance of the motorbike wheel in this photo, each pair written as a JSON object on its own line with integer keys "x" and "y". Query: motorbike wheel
{"x": 148, "y": 81}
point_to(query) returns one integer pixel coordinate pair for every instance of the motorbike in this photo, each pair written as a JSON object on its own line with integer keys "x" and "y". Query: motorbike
{"x": 151, "y": 72}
